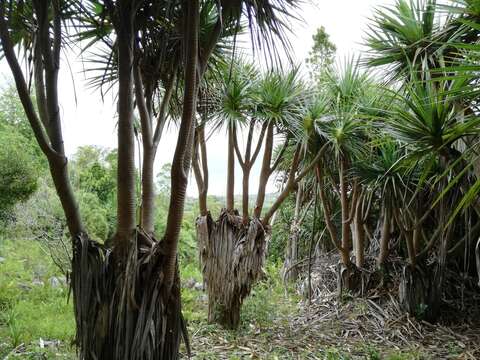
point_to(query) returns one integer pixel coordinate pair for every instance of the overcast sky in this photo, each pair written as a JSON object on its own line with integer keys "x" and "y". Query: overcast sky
{"x": 91, "y": 121}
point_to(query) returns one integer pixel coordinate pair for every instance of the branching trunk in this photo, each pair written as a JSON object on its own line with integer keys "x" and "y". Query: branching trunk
{"x": 293, "y": 180}
{"x": 47, "y": 127}
{"x": 126, "y": 302}
{"x": 332, "y": 230}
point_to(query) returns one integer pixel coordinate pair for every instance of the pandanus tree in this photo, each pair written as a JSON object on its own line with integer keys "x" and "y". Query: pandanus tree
{"x": 402, "y": 36}
{"x": 315, "y": 106}
{"x": 232, "y": 248}
{"x": 435, "y": 76}
{"x": 429, "y": 122}
{"x": 342, "y": 129}
{"x": 387, "y": 181}
{"x": 126, "y": 291}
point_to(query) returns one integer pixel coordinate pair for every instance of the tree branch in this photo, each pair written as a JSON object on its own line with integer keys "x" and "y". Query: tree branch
{"x": 237, "y": 149}
{"x": 145, "y": 119}
{"x": 259, "y": 143}
{"x": 248, "y": 147}
{"x": 292, "y": 180}
{"x": 22, "y": 88}
{"x": 280, "y": 155}
{"x": 40, "y": 85}
{"x": 212, "y": 43}
{"x": 162, "y": 115}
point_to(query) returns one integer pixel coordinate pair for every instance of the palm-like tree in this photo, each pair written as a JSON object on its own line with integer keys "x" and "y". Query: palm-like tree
{"x": 269, "y": 105}
{"x": 126, "y": 292}
{"x": 403, "y": 36}
{"x": 342, "y": 128}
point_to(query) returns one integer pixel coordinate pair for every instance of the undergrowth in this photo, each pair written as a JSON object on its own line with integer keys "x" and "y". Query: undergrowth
{"x": 32, "y": 311}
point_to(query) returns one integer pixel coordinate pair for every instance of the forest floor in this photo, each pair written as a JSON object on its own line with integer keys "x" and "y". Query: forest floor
{"x": 36, "y": 321}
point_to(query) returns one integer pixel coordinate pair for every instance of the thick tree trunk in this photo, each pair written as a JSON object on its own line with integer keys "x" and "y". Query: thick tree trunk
{"x": 232, "y": 255}
{"x": 125, "y": 314}
{"x": 413, "y": 291}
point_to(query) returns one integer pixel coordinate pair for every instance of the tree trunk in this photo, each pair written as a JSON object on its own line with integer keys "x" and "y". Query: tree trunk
{"x": 245, "y": 194}
{"x": 126, "y": 196}
{"x": 183, "y": 150}
{"x": 126, "y": 306}
{"x": 477, "y": 260}
{"x": 147, "y": 221}
{"x": 385, "y": 239}
{"x": 201, "y": 173}
{"x": 346, "y": 243}
{"x": 291, "y": 255}
{"x": 265, "y": 172}
{"x": 359, "y": 236}
{"x": 230, "y": 170}
{"x": 125, "y": 314}
{"x": 413, "y": 291}
{"x": 232, "y": 257}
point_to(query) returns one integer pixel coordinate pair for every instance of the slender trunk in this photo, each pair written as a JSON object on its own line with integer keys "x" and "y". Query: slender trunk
{"x": 359, "y": 236}
{"x": 181, "y": 159}
{"x": 344, "y": 206}
{"x": 416, "y": 240}
{"x": 246, "y": 167}
{"x": 265, "y": 172}
{"x": 385, "y": 238}
{"x": 310, "y": 250}
{"x": 147, "y": 221}
{"x": 52, "y": 147}
{"x": 245, "y": 194}
{"x": 126, "y": 197}
{"x": 291, "y": 256}
{"x": 332, "y": 230}
{"x": 412, "y": 242}
{"x": 477, "y": 259}
{"x": 202, "y": 203}
{"x": 203, "y": 189}
{"x": 231, "y": 170}
{"x": 63, "y": 187}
